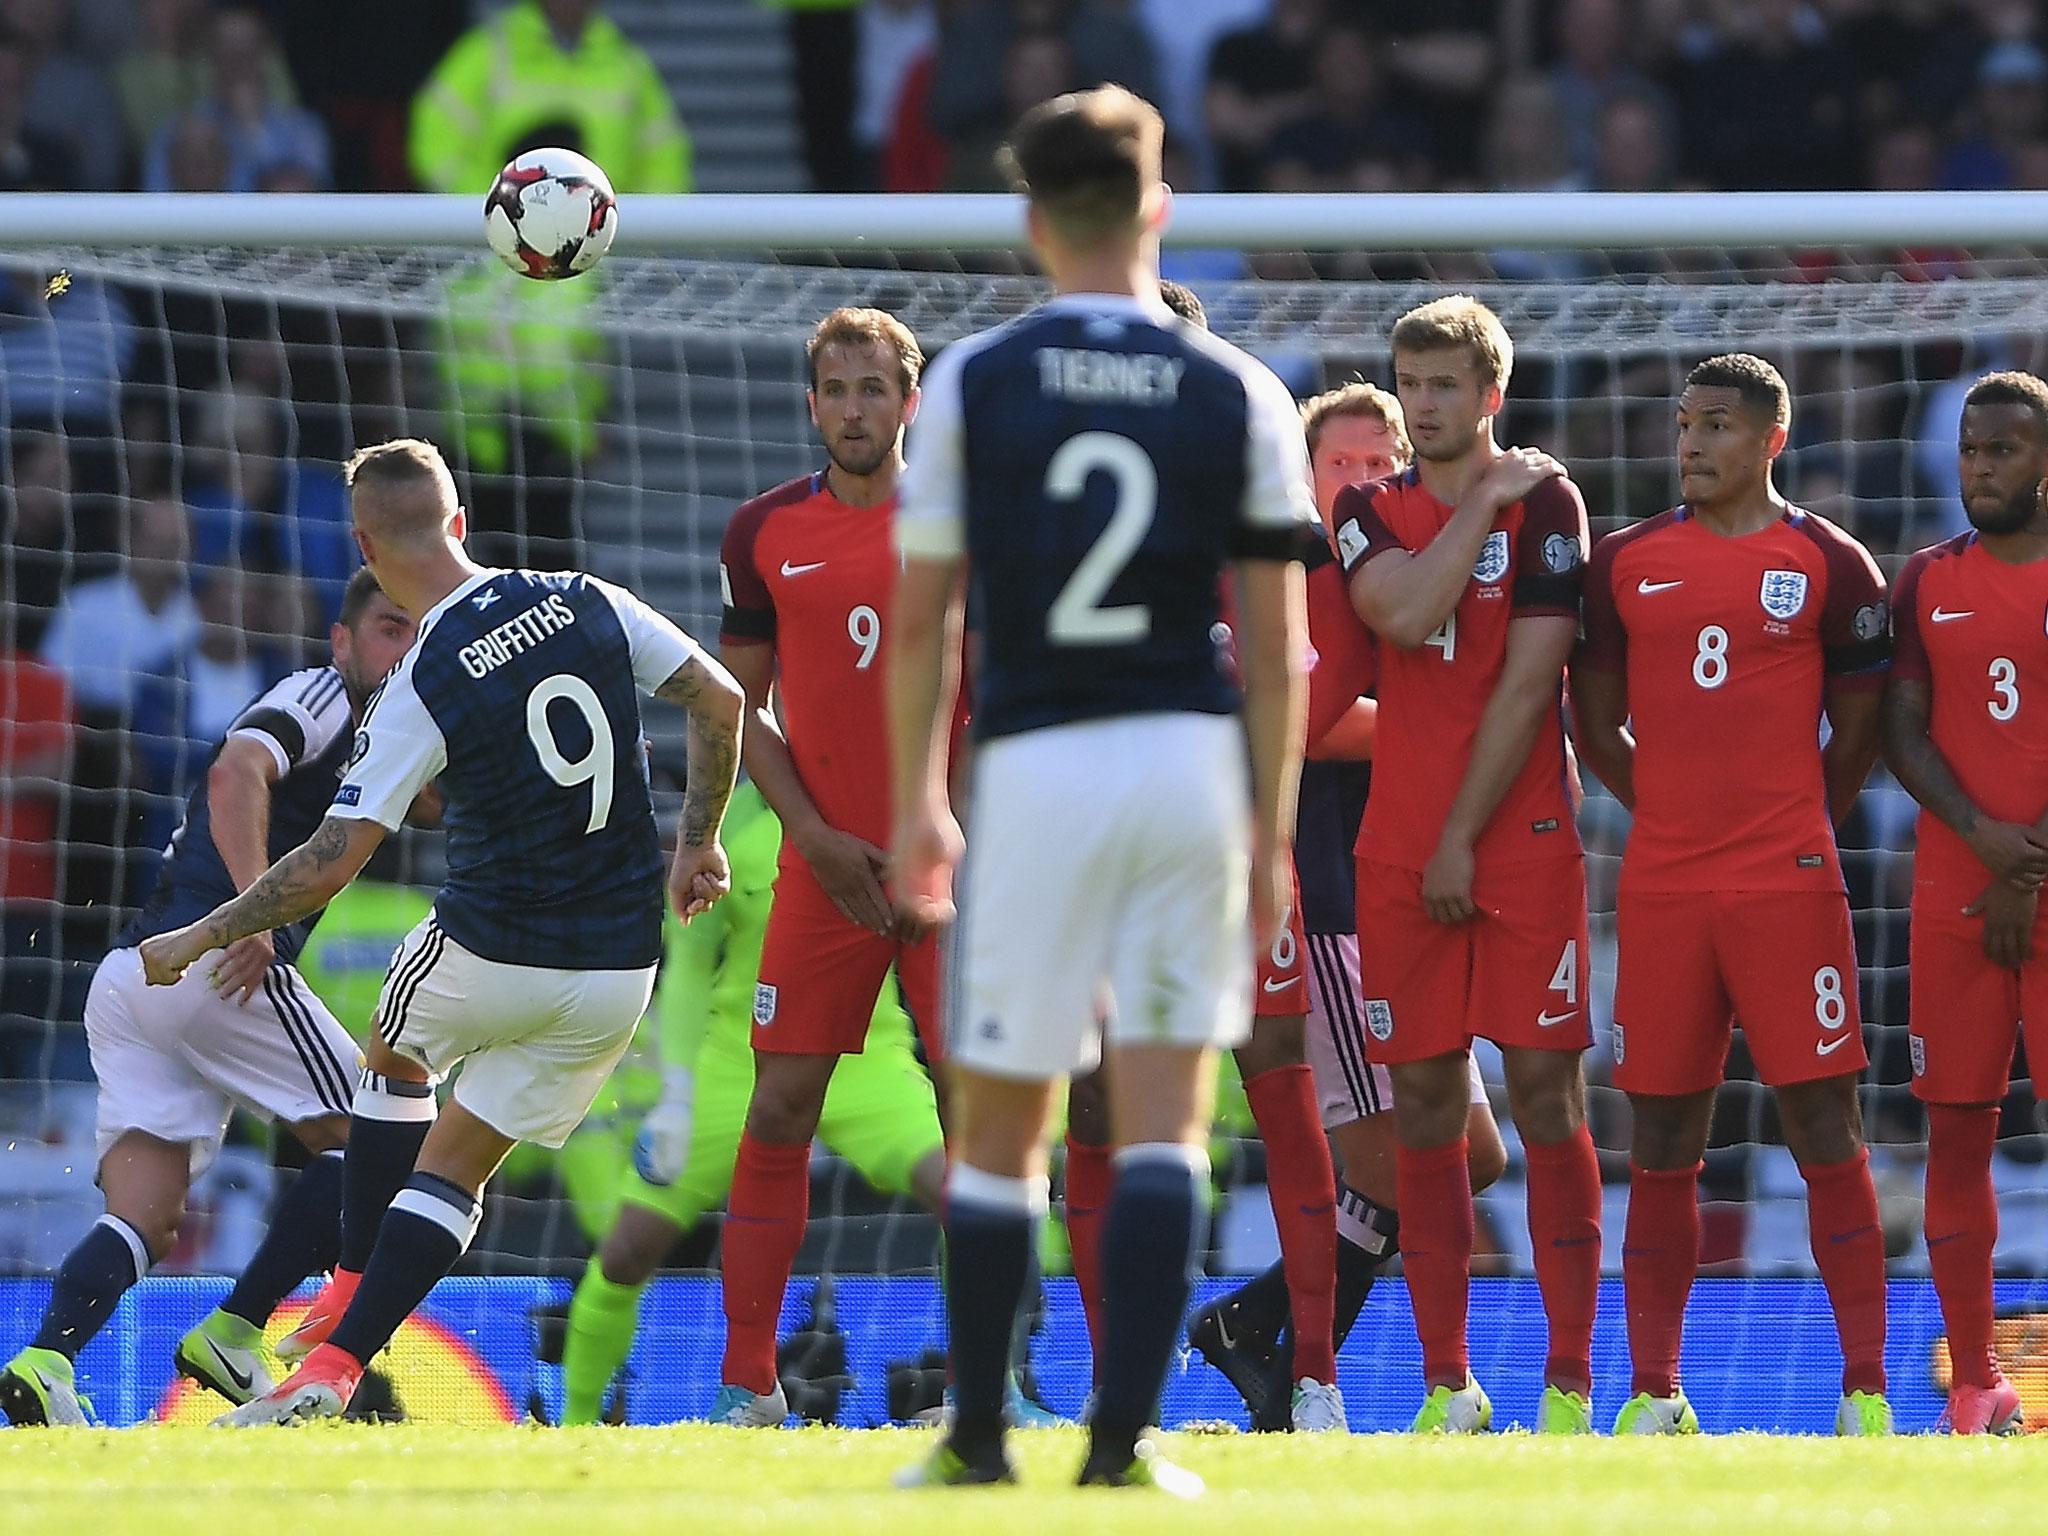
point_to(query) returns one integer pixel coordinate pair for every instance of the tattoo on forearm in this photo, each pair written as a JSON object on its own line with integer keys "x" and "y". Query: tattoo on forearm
{"x": 1911, "y": 755}
{"x": 714, "y": 749}
{"x": 298, "y": 884}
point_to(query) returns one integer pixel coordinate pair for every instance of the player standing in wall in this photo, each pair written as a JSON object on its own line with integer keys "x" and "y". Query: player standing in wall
{"x": 1356, "y": 436}
{"x": 1087, "y": 473}
{"x": 1966, "y": 731}
{"x": 520, "y": 700}
{"x": 1471, "y": 880}
{"x": 808, "y": 571}
{"x": 1717, "y": 636}
{"x": 248, "y": 1030}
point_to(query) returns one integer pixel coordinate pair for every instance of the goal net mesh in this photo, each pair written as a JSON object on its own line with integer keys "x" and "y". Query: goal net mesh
{"x": 616, "y": 422}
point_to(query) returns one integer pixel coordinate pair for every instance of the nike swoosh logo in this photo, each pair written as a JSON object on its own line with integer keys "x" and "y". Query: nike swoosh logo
{"x": 1282, "y": 986}
{"x": 241, "y": 1379}
{"x": 1829, "y": 1047}
{"x": 1223, "y": 1330}
{"x": 798, "y": 570}
{"x": 1949, "y": 616}
{"x": 1552, "y": 1020}
{"x": 1647, "y": 588}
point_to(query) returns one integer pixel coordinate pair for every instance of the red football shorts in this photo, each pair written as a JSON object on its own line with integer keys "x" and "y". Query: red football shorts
{"x": 1516, "y": 974}
{"x": 1282, "y": 988}
{"x": 821, "y": 973}
{"x": 1782, "y": 963}
{"x": 1967, "y": 1013}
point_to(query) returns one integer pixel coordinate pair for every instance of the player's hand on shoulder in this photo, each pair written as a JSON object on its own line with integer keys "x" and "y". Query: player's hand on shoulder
{"x": 926, "y": 851}
{"x": 1516, "y": 473}
{"x": 2008, "y": 914}
{"x": 1447, "y": 883}
{"x": 167, "y": 957}
{"x": 850, "y": 869}
{"x": 2010, "y": 851}
{"x": 242, "y": 966}
{"x": 698, "y": 879}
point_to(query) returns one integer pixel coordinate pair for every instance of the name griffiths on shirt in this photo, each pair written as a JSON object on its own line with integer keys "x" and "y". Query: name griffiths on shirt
{"x": 1135, "y": 378}
{"x": 521, "y": 632}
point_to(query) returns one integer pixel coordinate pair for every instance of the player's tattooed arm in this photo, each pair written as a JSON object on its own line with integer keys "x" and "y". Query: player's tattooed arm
{"x": 716, "y": 703}
{"x": 297, "y": 885}
{"x": 2011, "y": 852}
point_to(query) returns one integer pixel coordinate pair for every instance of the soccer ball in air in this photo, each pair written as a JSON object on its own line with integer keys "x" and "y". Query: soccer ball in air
{"x": 551, "y": 214}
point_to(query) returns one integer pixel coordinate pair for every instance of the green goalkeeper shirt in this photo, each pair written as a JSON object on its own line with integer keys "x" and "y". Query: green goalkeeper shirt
{"x": 706, "y": 998}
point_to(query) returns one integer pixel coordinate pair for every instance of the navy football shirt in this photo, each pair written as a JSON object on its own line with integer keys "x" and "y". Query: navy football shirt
{"x": 521, "y": 700}
{"x": 1100, "y": 463}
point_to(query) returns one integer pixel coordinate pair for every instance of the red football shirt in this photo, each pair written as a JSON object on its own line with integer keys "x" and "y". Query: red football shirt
{"x": 813, "y": 577}
{"x": 1975, "y": 630}
{"x": 1431, "y": 698}
{"x": 1727, "y": 645}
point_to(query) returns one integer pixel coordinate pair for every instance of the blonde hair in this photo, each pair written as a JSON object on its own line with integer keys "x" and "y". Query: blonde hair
{"x": 405, "y": 464}
{"x": 850, "y": 327}
{"x": 1356, "y": 399}
{"x": 1459, "y": 320}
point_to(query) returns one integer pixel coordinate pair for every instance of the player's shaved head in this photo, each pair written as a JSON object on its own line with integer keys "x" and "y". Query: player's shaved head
{"x": 1088, "y": 161}
{"x": 401, "y": 492}
{"x": 1356, "y": 399}
{"x": 1459, "y": 322}
{"x": 2013, "y": 387}
{"x": 1759, "y": 386}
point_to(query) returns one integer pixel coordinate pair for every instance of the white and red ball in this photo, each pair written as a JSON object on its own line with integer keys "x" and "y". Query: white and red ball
{"x": 551, "y": 214}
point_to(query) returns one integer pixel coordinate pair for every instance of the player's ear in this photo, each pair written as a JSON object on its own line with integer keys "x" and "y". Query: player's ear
{"x": 910, "y": 404}
{"x": 1775, "y": 439}
{"x": 365, "y": 545}
{"x": 811, "y": 400}
{"x": 458, "y": 526}
{"x": 1496, "y": 399}
{"x": 338, "y": 639}
{"x": 1158, "y": 209}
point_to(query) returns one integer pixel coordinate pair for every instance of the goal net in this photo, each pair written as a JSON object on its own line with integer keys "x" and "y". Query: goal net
{"x": 172, "y": 419}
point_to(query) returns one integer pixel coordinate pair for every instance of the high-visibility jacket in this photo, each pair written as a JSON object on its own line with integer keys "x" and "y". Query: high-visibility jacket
{"x": 508, "y": 77}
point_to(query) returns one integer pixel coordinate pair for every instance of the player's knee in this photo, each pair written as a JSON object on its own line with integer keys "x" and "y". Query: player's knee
{"x": 1546, "y": 1095}
{"x": 1668, "y": 1132}
{"x": 325, "y": 1133}
{"x": 1823, "y": 1122}
{"x": 1276, "y": 1042}
{"x": 785, "y": 1105}
{"x": 1088, "y": 1111}
{"x": 632, "y": 1252}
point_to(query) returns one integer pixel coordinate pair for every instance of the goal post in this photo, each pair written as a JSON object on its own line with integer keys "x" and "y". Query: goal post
{"x": 225, "y": 354}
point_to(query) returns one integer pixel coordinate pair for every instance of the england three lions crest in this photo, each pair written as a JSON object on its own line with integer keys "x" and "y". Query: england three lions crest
{"x": 1493, "y": 558}
{"x": 1784, "y": 593}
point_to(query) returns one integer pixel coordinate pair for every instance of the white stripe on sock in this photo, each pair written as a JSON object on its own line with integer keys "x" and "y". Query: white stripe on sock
{"x": 1177, "y": 1154}
{"x": 974, "y": 1186}
{"x": 458, "y": 1223}
{"x": 377, "y": 1103}
{"x": 138, "y": 1250}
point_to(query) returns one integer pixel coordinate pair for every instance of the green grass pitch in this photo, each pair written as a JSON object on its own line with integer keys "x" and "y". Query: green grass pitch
{"x": 340, "y": 1480}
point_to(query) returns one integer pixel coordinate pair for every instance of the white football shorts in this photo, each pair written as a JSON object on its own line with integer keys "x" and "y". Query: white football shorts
{"x": 1108, "y": 861}
{"x": 173, "y": 1061}
{"x": 535, "y": 1044}
{"x": 1348, "y": 1087}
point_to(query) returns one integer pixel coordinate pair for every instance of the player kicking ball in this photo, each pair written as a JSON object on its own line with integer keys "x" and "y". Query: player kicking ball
{"x": 520, "y": 700}
{"x": 1966, "y": 732}
{"x": 246, "y": 1030}
{"x": 879, "y": 1113}
{"x": 1086, "y": 474}
{"x": 1718, "y": 635}
{"x": 1471, "y": 879}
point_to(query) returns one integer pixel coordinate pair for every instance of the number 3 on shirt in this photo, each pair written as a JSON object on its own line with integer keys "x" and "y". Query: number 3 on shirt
{"x": 2004, "y": 702}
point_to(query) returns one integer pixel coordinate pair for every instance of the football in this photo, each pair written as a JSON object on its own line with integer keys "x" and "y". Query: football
{"x": 551, "y": 214}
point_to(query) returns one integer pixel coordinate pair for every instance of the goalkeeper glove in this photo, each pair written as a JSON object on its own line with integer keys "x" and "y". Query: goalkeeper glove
{"x": 663, "y": 1145}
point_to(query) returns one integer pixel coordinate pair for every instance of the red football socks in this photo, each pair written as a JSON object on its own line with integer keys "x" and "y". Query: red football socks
{"x": 1962, "y": 1229}
{"x": 1089, "y": 1178}
{"x": 1848, "y": 1248}
{"x": 764, "y": 1228}
{"x": 1435, "y": 1200}
{"x": 1303, "y": 1187}
{"x": 1564, "y": 1228}
{"x": 1660, "y": 1255}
